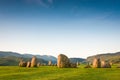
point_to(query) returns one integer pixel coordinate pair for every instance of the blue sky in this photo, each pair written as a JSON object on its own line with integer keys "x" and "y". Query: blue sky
{"x": 77, "y": 28}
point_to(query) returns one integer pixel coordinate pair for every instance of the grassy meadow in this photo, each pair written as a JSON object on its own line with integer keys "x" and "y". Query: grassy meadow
{"x": 54, "y": 73}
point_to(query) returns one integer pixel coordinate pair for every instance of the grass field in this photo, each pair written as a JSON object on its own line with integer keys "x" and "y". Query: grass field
{"x": 54, "y": 73}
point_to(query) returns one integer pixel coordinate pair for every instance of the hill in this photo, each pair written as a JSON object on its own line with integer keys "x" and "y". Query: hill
{"x": 111, "y": 57}
{"x": 12, "y": 58}
{"x": 6, "y": 54}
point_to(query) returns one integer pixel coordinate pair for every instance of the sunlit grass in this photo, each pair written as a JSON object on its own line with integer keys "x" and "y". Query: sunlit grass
{"x": 54, "y": 73}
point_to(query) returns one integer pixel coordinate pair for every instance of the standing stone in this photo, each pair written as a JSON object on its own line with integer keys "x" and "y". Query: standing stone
{"x": 105, "y": 64}
{"x": 22, "y": 63}
{"x": 63, "y": 61}
{"x": 28, "y": 64}
{"x": 73, "y": 65}
{"x": 49, "y": 63}
{"x": 78, "y": 63}
{"x": 96, "y": 63}
{"x": 38, "y": 64}
{"x": 111, "y": 63}
{"x": 34, "y": 62}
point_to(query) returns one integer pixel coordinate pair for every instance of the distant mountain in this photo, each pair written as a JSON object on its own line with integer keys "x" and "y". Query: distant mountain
{"x": 75, "y": 60}
{"x": 12, "y": 58}
{"x": 13, "y": 61}
{"x": 111, "y": 57}
{"x": 27, "y": 55}
{"x": 45, "y": 57}
{"x": 48, "y": 58}
{"x": 5, "y": 54}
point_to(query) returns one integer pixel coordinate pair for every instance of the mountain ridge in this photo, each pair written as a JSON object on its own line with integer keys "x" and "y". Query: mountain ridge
{"x": 7, "y": 56}
{"x": 111, "y": 57}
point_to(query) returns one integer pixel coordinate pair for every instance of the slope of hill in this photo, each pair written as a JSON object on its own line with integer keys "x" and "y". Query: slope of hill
{"x": 111, "y": 57}
{"x": 5, "y": 54}
{"x": 12, "y": 58}
{"x": 7, "y": 61}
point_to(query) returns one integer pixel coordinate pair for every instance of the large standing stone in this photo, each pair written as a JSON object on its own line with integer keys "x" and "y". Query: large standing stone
{"x": 96, "y": 63}
{"x": 63, "y": 61}
{"x": 34, "y": 62}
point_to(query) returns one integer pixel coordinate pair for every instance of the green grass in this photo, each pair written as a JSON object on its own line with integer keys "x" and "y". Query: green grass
{"x": 54, "y": 73}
